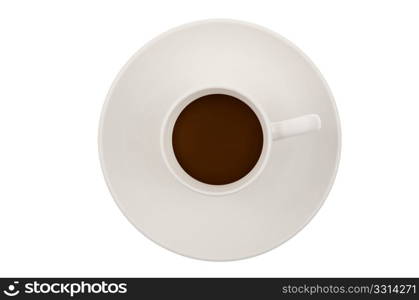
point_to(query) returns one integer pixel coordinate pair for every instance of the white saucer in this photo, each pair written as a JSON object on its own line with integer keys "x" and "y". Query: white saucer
{"x": 267, "y": 212}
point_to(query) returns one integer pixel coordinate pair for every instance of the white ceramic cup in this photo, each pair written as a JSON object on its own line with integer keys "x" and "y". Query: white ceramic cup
{"x": 272, "y": 131}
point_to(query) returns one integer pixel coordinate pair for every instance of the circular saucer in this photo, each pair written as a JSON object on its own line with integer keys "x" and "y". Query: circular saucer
{"x": 275, "y": 75}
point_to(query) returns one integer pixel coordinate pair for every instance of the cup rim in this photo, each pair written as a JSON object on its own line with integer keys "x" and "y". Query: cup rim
{"x": 176, "y": 169}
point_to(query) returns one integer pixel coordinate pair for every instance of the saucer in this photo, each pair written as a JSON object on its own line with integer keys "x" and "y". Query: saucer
{"x": 280, "y": 79}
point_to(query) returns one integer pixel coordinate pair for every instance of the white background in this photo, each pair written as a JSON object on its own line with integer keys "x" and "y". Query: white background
{"x": 57, "y": 61}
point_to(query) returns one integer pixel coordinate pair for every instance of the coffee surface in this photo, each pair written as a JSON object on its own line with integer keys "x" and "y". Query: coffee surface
{"x": 217, "y": 139}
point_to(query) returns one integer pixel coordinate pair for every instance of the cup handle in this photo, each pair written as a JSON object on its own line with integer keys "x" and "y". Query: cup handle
{"x": 296, "y": 126}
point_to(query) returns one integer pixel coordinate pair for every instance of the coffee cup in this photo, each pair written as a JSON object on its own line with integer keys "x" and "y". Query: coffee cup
{"x": 271, "y": 131}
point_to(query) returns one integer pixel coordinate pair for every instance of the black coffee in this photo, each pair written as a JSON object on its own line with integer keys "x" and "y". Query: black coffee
{"x": 217, "y": 139}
